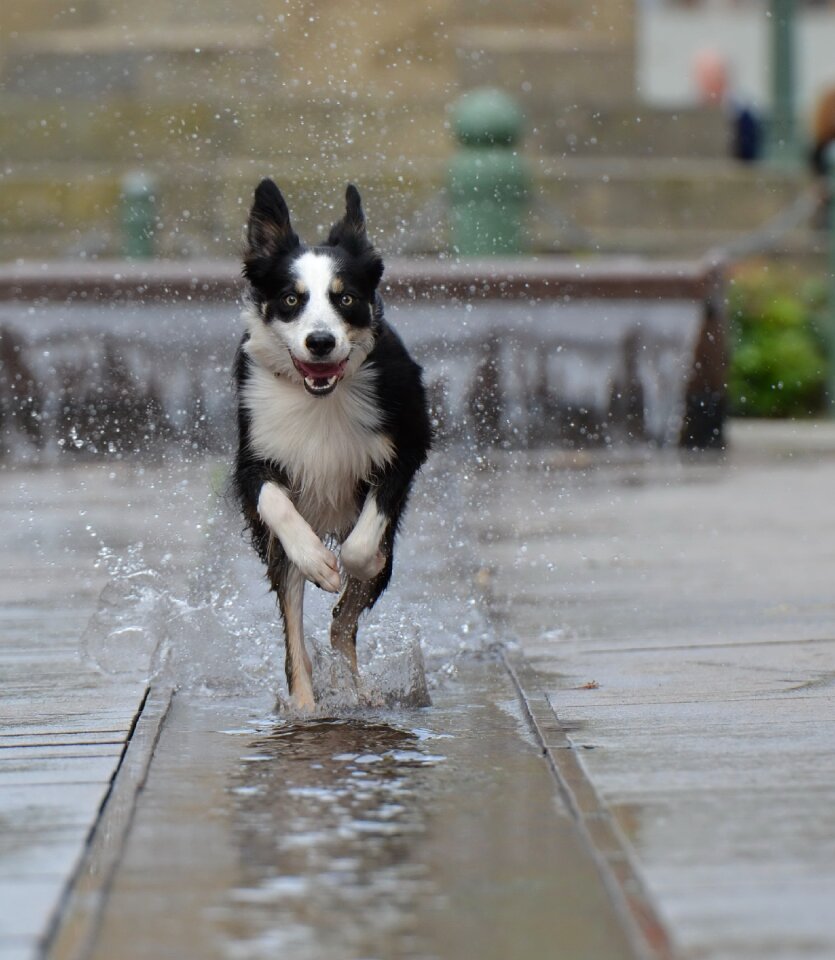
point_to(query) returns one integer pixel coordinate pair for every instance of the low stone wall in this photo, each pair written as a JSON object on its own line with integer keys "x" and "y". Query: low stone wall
{"x": 116, "y": 359}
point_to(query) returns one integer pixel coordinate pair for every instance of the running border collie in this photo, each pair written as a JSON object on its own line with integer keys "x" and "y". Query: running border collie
{"x": 332, "y": 421}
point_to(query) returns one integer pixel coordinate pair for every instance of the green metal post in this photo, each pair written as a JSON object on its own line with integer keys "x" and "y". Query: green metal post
{"x": 138, "y": 216}
{"x": 830, "y": 376}
{"x": 489, "y": 180}
{"x": 783, "y": 134}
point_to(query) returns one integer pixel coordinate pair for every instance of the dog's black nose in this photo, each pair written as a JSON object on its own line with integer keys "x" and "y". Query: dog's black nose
{"x": 320, "y": 344}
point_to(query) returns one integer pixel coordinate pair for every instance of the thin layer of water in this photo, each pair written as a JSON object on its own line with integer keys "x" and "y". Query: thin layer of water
{"x": 430, "y": 833}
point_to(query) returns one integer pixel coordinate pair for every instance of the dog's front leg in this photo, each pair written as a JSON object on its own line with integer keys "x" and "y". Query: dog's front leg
{"x": 364, "y": 552}
{"x": 297, "y": 667}
{"x": 356, "y": 596}
{"x": 303, "y": 548}
{"x": 361, "y": 552}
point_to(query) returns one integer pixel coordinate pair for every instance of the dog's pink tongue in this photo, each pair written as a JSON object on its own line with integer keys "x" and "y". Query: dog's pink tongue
{"x": 321, "y": 371}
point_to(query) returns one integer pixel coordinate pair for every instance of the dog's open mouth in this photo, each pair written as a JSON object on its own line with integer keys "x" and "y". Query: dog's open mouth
{"x": 320, "y": 378}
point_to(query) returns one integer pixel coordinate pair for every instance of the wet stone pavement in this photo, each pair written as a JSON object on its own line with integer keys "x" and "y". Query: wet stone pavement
{"x": 670, "y": 623}
{"x": 682, "y": 621}
{"x": 63, "y": 724}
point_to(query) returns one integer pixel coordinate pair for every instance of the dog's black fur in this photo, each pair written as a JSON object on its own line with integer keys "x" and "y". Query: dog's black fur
{"x": 299, "y": 299}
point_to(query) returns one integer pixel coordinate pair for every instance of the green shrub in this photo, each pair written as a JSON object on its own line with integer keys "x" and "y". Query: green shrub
{"x": 778, "y": 359}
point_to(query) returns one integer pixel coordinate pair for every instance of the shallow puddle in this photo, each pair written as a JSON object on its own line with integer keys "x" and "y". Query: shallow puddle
{"x": 427, "y": 833}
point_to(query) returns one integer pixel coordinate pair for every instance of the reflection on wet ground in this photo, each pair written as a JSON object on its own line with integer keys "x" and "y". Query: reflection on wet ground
{"x": 344, "y": 855}
{"x": 427, "y": 833}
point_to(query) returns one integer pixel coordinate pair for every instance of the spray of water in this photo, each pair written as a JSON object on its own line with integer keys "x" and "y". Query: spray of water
{"x": 218, "y": 632}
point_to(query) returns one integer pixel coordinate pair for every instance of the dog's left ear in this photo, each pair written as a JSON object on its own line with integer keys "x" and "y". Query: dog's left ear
{"x": 353, "y": 209}
{"x": 350, "y": 234}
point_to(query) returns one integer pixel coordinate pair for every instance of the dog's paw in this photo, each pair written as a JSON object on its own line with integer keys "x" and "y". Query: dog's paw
{"x": 301, "y": 699}
{"x": 361, "y": 562}
{"x": 316, "y": 563}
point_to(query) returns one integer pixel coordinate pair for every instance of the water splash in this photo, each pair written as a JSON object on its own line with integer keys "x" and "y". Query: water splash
{"x": 219, "y": 632}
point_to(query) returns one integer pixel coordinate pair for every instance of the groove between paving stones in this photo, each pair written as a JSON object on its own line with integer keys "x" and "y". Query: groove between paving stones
{"x": 610, "y": 849}
{"x": 77, "y": 917}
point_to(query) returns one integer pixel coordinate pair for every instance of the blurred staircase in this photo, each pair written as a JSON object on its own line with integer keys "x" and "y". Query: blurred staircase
{"x": 613, "y": 174}
{"x": 208, "y": 97}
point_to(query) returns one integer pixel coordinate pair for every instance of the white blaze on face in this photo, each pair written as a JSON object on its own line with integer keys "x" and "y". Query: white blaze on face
{"x": 275, "y": 343}
{"x": 316, "y": 276}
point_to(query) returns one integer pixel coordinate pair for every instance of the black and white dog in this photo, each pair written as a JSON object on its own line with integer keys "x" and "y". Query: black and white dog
{"x": 332, "y": 420}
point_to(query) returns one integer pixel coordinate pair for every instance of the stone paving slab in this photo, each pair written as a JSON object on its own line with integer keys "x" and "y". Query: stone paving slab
{"x": 70, "y": 738}
{"x": 47, "y": 852}
{"x": 59, "y": 772}
{"x": 701, "y": 673}
{"x": 63, "y": 723}
{"x": 60, "y": 751}
{"x": 34, "y": 809}
{"x": 28, "y": 903}
{"x": 15, "y": 948}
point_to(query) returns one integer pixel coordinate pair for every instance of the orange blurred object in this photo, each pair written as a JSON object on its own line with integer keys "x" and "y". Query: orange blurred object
{"x": 710, "y": 72}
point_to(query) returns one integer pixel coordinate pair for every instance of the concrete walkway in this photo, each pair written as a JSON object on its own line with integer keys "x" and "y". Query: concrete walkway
{"x": 676, "y": 642}
{"x": 681, "y": 621}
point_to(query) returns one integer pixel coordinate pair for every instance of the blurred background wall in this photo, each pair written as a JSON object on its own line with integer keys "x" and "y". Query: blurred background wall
{"x": 204, "y": 98}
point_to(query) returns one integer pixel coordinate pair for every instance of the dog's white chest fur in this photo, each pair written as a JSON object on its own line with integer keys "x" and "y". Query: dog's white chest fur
{"x": 326, "y": 444}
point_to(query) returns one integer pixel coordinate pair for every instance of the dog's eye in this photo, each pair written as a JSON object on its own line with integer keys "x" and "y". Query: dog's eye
{"x": 346, "y": 299}
{"x": 291, "y": 300}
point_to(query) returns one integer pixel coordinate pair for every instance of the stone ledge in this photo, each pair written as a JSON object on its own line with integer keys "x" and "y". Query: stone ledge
{"x": 405, "y": 279}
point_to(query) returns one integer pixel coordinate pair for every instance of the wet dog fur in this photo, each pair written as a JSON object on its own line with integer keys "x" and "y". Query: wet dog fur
{"x": 332, "y": 422}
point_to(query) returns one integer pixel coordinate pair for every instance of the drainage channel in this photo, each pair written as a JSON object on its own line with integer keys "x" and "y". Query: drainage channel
{"x": 424, "y": 833}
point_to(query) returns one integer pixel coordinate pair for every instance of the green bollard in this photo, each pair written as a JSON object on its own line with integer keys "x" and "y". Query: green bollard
{"x": 138, "y": 215}
{"x": 783, "y": 145}
{"x": 830, "y": 338}
{"x": 489, "y": 182}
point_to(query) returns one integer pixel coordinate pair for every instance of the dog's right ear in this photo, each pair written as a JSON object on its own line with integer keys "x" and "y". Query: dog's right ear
{"x": 269, "y": 231}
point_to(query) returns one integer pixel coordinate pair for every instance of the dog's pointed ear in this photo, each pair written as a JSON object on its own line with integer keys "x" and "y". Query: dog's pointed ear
{"x": 269, "y": 231}
{"x": 350, "y": 230}
{"x": 350, "y": 234}
{"x": 353, "y": 209}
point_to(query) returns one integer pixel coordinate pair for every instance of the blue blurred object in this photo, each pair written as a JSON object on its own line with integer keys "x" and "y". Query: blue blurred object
{"x": 748, "y": 134}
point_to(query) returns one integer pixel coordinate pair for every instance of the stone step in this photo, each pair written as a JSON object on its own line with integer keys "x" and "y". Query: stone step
{"x": 103, "y": 240}
{"x": 17, "y": 18}
{"x": 531, "y": 13}
{"x": 239, "y": 59}
{"x": 123, "y": 128}
{"x": 128, "y": 13}
{"x": 665, "y": 193}
{"x": 806, "y": 245}
{"x": 624, "y": 130}
{"x": 578, "y": 203}
{"x": 566, "y": 66}
{"x": 186, "y": 62}
{"x": 74, "y": 209}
